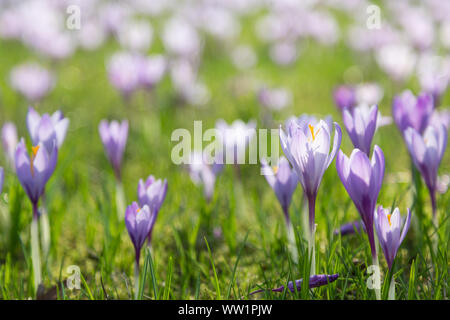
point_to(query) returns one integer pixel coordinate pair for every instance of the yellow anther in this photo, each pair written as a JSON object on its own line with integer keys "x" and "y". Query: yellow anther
{"x": 389, "y": 219}
{"x": 314, "y": 135}
{"x": 34, "y": 151}
{"x": 275, "y": 169}
{"x": 138, "y": 209}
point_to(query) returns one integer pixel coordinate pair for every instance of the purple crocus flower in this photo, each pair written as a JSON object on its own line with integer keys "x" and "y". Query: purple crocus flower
{"x": 34, "y": 171}
{"x": 235, "y": 139}
{"x": 344, "y": 97}
{"x": 307, "y": 147}
{"x": 283, "y": 181}
{"x": 427, "y": 151}
{"x": 124, "y": 72}
{"x": 152, "y": 193}
{"x": 9, "y": 141}
{"x": 315, "y": 281}
{"x": 32, "y": 81}
{"x": 2, "y": 178}
{"x": 138, "y": 222}
{"x": 362, "y": 178}
{"x": 114, "y": 137}
{"x": 204, "y": 174}
{"x": 409, "y": 111}
{"x": 361, "y": 124}
{"x": 47, "y": 129}
{"x": 350, "y": 228}
{"x": 389, "y": 231}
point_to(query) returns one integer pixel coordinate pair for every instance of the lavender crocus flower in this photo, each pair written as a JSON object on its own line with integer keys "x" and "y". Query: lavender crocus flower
{"x": 124, "y": 72}
{"x": 114, "y": 138}
{"x": 344, "y": 97}
{"x": 389, "y": 231}
{"x": 235, "y": 138}
{"x": 152, "y": 193}
{"x": 47, "y": 129}
{"x": 409, "y": 111}
{"x": 361, "y": 125}
{"x": 307, "y": 147}
{"x": 349, "y": 228}
{"x": 32, "y": 81}
{"x": 275, "y": 99}
{"x": 427, "y": 151}
{"x": 362, "y": 178}
{"x": 138, "y": 222}
{"x": 283, "y": 181}
{"x": 315, "y": 281}
{"x": 9, "y": 141}
{"x": 204, "y": 174}
{"x": 35, "y": 170}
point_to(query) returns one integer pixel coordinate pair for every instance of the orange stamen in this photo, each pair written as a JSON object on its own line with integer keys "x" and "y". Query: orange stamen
{"x": 34, "y": 151}
{"x": 389, "y": 219}
{"x": 314, "y": 135}
{"x": 275, "y": 169}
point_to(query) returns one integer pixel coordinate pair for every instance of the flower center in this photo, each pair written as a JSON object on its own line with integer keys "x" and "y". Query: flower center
{"x": 275, "y": 169}
{"x": 34, "y": 151}
{"x": 138, "y": 209}
{"x": 389, "y": 219}
{"x": 313, "y": 135}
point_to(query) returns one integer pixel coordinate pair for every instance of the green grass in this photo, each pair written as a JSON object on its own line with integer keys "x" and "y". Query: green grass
{"x": 187, "y": 260}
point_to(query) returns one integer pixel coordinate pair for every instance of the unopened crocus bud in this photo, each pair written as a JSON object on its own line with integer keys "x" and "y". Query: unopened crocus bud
{"x": 114, "y": 138}
{"x": 138, "y": 222}
{"x": 409, "y": 111}
{"x": 9, "y": 141}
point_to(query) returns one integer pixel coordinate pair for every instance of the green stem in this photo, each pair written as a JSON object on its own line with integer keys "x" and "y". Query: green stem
{"x": 392, "y": 289}
{"x": 377, "y": 276}
{"x": 35, "y": 252}
{"x": 136, "y": 280}
{"x": 45, "y": 233}
{"x": 120, "y": 201}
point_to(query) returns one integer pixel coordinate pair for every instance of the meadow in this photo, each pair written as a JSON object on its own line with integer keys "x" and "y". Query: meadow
{"x": 236, "y": 243}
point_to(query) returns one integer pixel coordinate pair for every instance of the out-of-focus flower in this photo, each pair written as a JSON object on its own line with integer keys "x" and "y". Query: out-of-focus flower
{"x": 35, "y": 170}
{"x": 441, "y": 116}
{"x": 152, "y": 193}
{"x": 284, "y": 53}
{"x": 2, "y": 178}
{"x": 307, "y": 147}
{"x": 91, "y": 36}
{"x": 349, "y": 228}
{"x": 235, "y": 138}
{"x": 244, "y": 57}
{"x": 283, "y": 181}
{"x": 361, "y": 123}
{"x": 409, "y": 111}
{"x": 275, "y": 98}
{"x": 418, "y": 26}
{"x": 443, "y": 182}
{"x": 181, "y": 38}
{"x": 427, "y": 151}
{"x": 114, "y": 138}
{"x": 152, "y": 70}
{"x": 9, "y": 141}
{"x": 362, "y": 178}
{"x": 47, "y": 129}
{"x": 204, "y": 173}
{"x": 368, "y": 93}
{"x": 138, "y": 222}
{"x": 32, "y": 81}
{"x": 135, "y": 35}
{"x": 389, "y": 231}
{"x": 397, "y": 60}
{"x": 344, "y": 97}
{"x": 124, "y": 71}
{"x": 314, "y": 281}
{"x": 433, "y": 73}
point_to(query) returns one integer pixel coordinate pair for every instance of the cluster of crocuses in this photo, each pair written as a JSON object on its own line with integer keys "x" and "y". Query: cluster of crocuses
{"x": 140, "y": 216}
{"x": 34, "y": 168}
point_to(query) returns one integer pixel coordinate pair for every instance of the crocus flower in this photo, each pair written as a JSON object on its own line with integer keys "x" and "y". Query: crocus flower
{"x": 47, "y": 129}
{"x": 349, "y": 228}
{"x": 361, "y": 125}
{"x": 35, "y": 170}
{"x": 427, "y": 151}
{"x": 235, "y": 138}
{"x": 397, "y": 60}
{"x": 314, "y": 281}
{"x": 152, "y": 70}
{"x": 32, "y": 81}
{"x": 114, "y": 138}
{"x": 362, "y": 178}
{"x": 389, "y": 231}
{"x": 409, "y": 111}
{"x": 9, "y": 141}
{"x": 344, "y": 97}
{"x": 138, "y": 222}
{"x": 204, "y": 174}
{"x": 2, "y": 178}
{"x": 307, "y": 147}
{"x": 152, "y": 193}
{"x": 283, "y": 181}
{"x": 124, "y": 72}
{"x": 275, "y": 99}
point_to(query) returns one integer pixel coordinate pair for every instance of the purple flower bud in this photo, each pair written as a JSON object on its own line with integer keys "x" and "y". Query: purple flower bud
{"x": 138, "y": 222}
{"x": 350, "y": 228}
{"x": 388, "y": 228}
{"x": 409, "y": 111}
{"x": 114, "y": 138}
{"x": 35, "y": 170}
{"x": 204, "y": 174}
{"x": 362, "y": 178}
{"x": 314, "y": 281}
{"x": 152, "y": 193}
{"x": 427, "y": 151}
{"x": 307, "y": 147}
{"x": 32, "y": 81}
{"x": 2, "y": 178}
{"x": 344, "y": 97}
{"x": 283, "y": 181}
{"x": 9, "y": 141}
{"x": 47, "y": 129}
{"x": 361, "y": 124}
